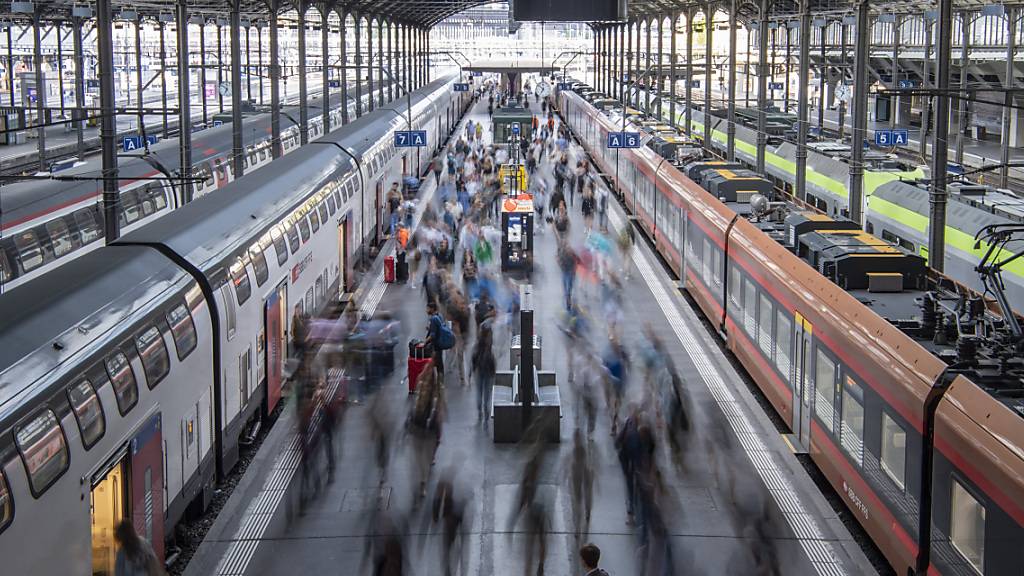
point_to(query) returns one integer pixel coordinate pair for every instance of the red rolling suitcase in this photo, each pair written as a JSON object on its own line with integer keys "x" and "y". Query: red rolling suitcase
{"x": 418, "y": 360}
{"x": 389, "y": 269}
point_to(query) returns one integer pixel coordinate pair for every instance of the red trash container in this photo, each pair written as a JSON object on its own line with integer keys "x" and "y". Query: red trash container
{"x": 389, "y": 269}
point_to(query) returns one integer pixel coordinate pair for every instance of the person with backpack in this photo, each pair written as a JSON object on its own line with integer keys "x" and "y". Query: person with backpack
{"x": 135, "y": 557}
{"x": 439, "y": 336}
{"x": 483, "y": 367}
{"x": 590, "y": 556}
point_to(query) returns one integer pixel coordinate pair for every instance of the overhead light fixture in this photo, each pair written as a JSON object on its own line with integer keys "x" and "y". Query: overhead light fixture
{"x": 222, "y": 21}
{"x": 81, "y": 11}
{"x": 197, "y": 19}
{"x": 128, "y": 14}
{"x": 23, "y": 7}
{"x": 166, "y": 17}
{"x": 244, "y": 22}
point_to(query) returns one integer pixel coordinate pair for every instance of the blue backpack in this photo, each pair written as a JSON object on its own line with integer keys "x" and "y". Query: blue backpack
{"x": 445, "y": 336}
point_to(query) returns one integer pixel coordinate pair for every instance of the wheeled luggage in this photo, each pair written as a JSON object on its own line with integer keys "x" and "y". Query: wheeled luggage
{"x": 401, "y": 268}
{"x": 389, "y": 269}
{"x": 419, "y": 357}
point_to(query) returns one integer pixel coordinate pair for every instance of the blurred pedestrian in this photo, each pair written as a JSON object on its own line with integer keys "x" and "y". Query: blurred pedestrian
{"x": 581, "y": 483}
{"x": 567, "y": 264}
{"x": 425, "y": 424}
{"x": 449, "y": 510}
{"x": 135, "y": 557}
{"x": 484, "y": 366}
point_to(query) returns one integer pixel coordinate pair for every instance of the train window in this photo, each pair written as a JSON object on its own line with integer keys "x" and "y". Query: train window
{"x": 824, "y": 389}
{"x": 314, "y": 220}
{"x": 88, "y": 227}
{"x": 153, "y": 351}
{"x": 783, "y": 337}
{"x": 29, "y": 253}
{"x": 894, "y": 450}
{"x": 259, "y": 264}
{"x": 43, "y": 450}
{"x": 337, "y": 198}
{"x": 332, "y": 207}
{"x": 60, "y": 237}
{"x": 750, "y": 307}
{"x": 240, "y": 278}
{"x": 230, "y": 319}
{"x": 130, "y": 211}
{"x": 158, "y": 197}
{"x": 967, "y": 526}
{"x": 5, "y": 267}
{"x": 88, "y": 411}
{"x": 764, "y": 326}
{"x": 323, "y": 212}
{"x": 735, "y": 286}
{"x": 716, "y": 269}
{"x": 146, "y": 205}
{"x": 293, "y": 238}
{"x": 122, "y": 379}
{"x": 304, "y": 228}
{"x": 279, "y": 245}
{"x": 182, "y": 329}
{"x": 852, "y": 423}
{"x": 706, "y": 260}
{"x": 6, "y": 503}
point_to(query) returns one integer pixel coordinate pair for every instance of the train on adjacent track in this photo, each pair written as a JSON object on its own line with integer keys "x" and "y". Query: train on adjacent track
{"x": 892, "y": 203}
{"x": 128, "y": 375}
{"x": 46, "y": 223}
{"x": 904, "y": 389}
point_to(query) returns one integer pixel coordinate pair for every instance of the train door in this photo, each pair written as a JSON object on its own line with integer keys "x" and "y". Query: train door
{"x": 680, "y": 241}
{"x": 108, "y": 507}
{"x": 275, "y": 322}
{"x": 803, "y": 390}
{"x": 342, "y": 256}
{"x": 378, "y": 210}
{"x": 147, "y": 484}
{"x": 191, "y": 454}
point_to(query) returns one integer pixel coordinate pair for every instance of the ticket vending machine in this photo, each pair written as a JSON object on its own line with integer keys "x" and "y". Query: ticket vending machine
{"x": 517, "y": 234}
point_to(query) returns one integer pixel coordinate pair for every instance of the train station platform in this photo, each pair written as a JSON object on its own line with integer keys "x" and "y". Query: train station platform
{"x": 739, "y": 473}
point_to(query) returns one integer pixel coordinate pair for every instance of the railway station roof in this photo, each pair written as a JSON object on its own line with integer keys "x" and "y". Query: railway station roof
{"x": 430, "y": 12}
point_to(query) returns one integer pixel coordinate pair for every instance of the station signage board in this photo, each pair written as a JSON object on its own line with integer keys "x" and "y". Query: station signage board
{"x": 516, "y": 128}
{"x": 906, "y": 84}
{"x": 410, "y": 138}
{"x": 776, "y": 86}
{"x": 694, "y": 83}
{"x": 563, "y": 86}
{"x": 461, "y": 87}
{"x": 623, "y": 140}
{"x": 886, "y": 138}
{"x": 129, "y": 143}
{"x": 476, "y": 73}
{"x": 334, "y": 83}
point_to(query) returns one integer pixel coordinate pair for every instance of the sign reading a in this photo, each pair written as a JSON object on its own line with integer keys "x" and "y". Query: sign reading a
{"x": 410, "y": 138}
{"x": 135, "y": 142}
{"x": 461, "y": 87}
{"x": 623, "y": 140}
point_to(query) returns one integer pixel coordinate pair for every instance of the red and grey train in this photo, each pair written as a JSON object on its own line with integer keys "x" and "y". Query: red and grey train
{"x": 905, "y": 397}
{"x": 128, "y": 376}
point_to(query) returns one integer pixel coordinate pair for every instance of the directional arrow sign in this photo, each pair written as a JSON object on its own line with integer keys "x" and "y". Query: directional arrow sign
{"x": 410, "y": 138}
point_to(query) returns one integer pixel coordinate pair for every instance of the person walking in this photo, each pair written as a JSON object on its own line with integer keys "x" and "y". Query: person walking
{"x": 590, "y": 556}
{"x": 483, "y": 367}
{"x": 135, "y": 557}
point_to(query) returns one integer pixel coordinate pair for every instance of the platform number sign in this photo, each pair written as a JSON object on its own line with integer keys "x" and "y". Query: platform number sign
{"x": 461, "y": 87}
{"x": 515, "y": 128}
{"x": 129, "y": 143}
{"x": 623, "y": 140}
{"x": 776, "y": 86}
{"x": 410, "y": 138}
{"x": 563, "y": 86}
{"x": 906, "y": 84}
{"x": 694, "y": 83}
{"x": 887, "y": 138}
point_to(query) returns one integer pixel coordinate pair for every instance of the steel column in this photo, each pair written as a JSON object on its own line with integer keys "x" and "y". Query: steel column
{"x": 79, "y": 113}
{"x": 138, "y": 81}
{"x": 371, "y": 97}
{"x": 731, "y": 104}
{"x": 108, "y": 120}
{"x": 163, "y": 77}
{"x": 380, "y": 61}
{"x": 184, "y": 103}
{"x": 823, "y": 84}
{"x": 220, "y": 65}
{"x": 629, "y": 69}
{"x": 789, "y": 60}
{"x": 10, "y": 62}
{"x": 325, "y": 70}
{"x": 841, "y": 105}
{"x": 962, "y": 104}
{"x": 661, "y": 61}
{"x": 647, "y": 67}
{"x": 897, "y": 100}
{"x": 60, "y": 64}
{"x": 762, "y": 85}
{"x": 248, "y": 63}
{"x": 619, "y": 81}
{"x": 343, "y": 77}
{"x": 37, "y": 63}
{"x": 926, "y": 120}
{"x": 803, "y": 79}
{"x": 709, "y": 12}
{"x": 202, "y": 69}
{"x": 426, "y": 54}
{"x": 303, "y": 90}
{"x": 672, "y": 69}
{"x": 260, "y": 72}
{"x": 358, "y": 66}
{"x": 860, "y": 112}
{"x": 275, "y": 83}
{"x": 688, "y": 87}
{"x": 237, "y": 146}
{"x": 1011, "y": 52}
{"x": 640, "y": 69}
{"x": 391, "y": 60}
{"x": 940, "y": 143}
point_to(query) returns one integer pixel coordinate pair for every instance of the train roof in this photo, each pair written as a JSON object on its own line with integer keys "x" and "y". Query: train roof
{"x": 51, "y": 319}
{"x": 31, "y": 199}
{"x": 970, "y": 210}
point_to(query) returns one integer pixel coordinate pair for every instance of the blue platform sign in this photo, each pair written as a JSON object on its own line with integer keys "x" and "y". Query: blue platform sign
{"x": 776, "y": 86}
{"x": 410, "y": 138}
{"x": 694, "y": 83}
{"x": 334, "y": 83}
{"x": 476, "y": 73}
{"x": 217, "y": 123}
{"x": 904, "y": 84}
{"x": 623, "y": 140}
{"x": 515, "y": 128}
{"x": 564, "y": 86}
{"x": 886, "y": 138}
{"x": 461, "y": 87}
{"x": 135, "y": 142}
